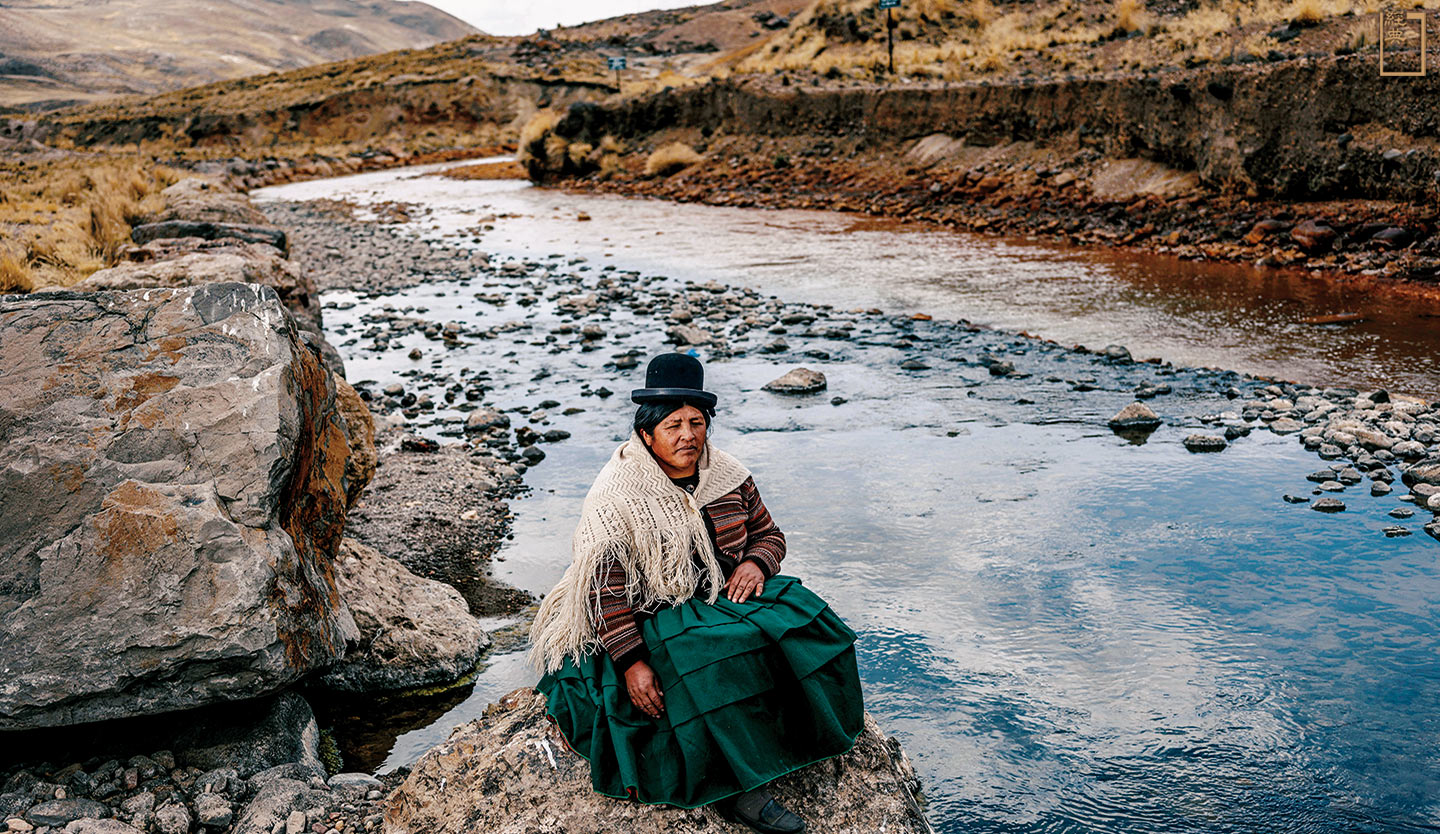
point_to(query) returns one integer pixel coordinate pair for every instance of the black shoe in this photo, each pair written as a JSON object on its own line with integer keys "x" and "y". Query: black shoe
{"x": 772, "y": 819}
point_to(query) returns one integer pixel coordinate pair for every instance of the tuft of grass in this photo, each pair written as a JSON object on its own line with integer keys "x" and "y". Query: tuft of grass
{"x": 1129, "y": 15}
{"x": 533, "y": 135}
{"x": 670, "y": 159}
{"x": 1306, "y": 12}
{"x": 14, "y": 274}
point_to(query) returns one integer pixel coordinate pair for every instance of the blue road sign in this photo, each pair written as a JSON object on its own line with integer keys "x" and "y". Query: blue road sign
{"x": 619, "y": 63}
{"x": 889, "y": 4}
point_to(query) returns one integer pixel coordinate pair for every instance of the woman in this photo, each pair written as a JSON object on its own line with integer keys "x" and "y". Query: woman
{"x": 677, "y": 659}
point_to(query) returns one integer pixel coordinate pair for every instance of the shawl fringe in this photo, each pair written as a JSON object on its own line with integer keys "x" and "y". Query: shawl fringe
{"x": 633, "y": 516}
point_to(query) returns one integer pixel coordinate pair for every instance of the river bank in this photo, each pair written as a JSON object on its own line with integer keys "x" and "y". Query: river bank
{"x": 1252, "y": 162}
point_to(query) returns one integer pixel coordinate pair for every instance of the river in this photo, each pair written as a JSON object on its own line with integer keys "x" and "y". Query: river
{"x": 1068, "y": 631}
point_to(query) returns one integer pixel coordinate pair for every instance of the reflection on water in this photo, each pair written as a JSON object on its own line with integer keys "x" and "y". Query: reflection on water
{"x": 1067, "y": 631}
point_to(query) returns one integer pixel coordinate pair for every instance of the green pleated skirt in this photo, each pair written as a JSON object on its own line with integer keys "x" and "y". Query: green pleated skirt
{"x": 752, "y": 691}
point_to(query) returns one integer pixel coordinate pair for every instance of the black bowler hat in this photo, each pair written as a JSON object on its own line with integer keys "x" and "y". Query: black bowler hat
{"x": 674, "y": 376}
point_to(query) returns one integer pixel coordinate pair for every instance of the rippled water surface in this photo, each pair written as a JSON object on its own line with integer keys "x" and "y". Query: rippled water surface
{"x": 1067, "y": 631}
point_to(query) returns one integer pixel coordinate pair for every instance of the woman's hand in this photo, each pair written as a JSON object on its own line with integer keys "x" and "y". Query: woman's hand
{"x": 644, "y": 690}
{"x": 748, "y": 578}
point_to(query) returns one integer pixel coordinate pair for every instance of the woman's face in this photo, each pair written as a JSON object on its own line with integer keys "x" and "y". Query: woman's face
{"x": 677, "y": 440}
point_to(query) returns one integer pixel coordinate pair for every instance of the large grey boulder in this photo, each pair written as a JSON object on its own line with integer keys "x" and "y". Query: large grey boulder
{"x": 254, "y": 263}
{"x": 207, "y": 200}
{"x": 412, "y": 631}
{"x": 243, "y": 232}
{"x": 510, "y": 772}
{"x": 174, "y": 493}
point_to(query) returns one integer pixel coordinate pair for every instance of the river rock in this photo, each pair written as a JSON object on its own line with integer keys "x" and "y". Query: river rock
{"x": 250, "y": 736}
{"x": 174, "y": 492}
{"x": 688, "y": 334}
{"x": 275, "y": 802}
{"x": 486, "y": 419}
{"x": 1328, "y": 505}
{"x": 1117, "y": 354}
{"x": 1285, "y": 425}
{"x": 109, "y": 825}
{"x": 172, "y": 818}
{"x": 1426, "y": 471}
{"x": 354, "y": 784}
{"x": 57, "y": 812}
{"x": 213, "y": 810}
{"x": 797, "y": 381}
{"x": 412, "y": 631}
{"x": 1134, "y": 416}
{"x": 510, "y": 772}
{"x": 1313, "y": 236}
{"x": 1204, "y": 443}
{"x": 1372, "y": 439}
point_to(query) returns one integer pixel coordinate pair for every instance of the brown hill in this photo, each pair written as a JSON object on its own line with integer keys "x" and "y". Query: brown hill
{"x": 957, "y": 40}
{"x": 56, "y": 52}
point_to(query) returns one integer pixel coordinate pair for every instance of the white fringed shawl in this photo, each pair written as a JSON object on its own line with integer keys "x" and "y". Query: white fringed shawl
{"x": 635, "y": 515}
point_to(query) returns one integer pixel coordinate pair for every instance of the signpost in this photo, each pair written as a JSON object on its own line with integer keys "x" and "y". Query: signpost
{"x": 887, "y": 5}
{"x": 618, "y": 64}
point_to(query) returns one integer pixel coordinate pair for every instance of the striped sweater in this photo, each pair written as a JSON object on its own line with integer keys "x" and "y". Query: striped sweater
{"x": 740, "y": 528}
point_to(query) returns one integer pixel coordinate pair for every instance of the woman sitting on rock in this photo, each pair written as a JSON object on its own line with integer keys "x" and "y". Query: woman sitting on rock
{"x": 678, "y": 660}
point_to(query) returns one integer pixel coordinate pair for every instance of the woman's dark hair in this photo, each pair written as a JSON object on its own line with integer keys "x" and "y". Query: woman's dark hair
{"x": 650, "y": 414}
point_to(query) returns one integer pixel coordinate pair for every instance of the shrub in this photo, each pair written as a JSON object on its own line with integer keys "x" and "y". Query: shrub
{"x": 670, "y": 159}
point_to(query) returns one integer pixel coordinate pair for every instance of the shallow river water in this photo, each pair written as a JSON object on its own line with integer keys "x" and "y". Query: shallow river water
{"x": 1067, "y": 631}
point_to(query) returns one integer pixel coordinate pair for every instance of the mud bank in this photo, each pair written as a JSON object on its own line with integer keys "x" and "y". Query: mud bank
{"x": 1262, "y": 163}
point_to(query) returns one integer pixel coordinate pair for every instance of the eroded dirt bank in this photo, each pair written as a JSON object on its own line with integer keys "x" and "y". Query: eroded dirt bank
{"x": 1314, "y": 163}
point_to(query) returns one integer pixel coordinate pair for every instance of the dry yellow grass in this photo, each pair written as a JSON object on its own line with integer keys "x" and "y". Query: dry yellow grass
{"x": 1129, "y": 15}
{"x": 670, "y": 159}
{"x": 63, "y": 220}
{"x": 534, "y": 133}
{"x": 955, "y": 39}
{"x": 14, "y": 276}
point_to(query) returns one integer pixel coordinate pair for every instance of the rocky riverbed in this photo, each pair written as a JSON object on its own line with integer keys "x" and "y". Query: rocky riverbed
{"x": 562, "y": 305}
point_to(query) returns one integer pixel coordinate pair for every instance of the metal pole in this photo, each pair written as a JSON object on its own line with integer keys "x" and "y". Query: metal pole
{"x": 890, "y": 37}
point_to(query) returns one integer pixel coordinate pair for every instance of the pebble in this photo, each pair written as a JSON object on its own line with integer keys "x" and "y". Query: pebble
{"x": 295, "y": 823}
{"x": 1328, "y": 505}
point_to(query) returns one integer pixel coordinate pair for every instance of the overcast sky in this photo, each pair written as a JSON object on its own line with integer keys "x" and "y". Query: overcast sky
{"x": 505, "y": 17}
